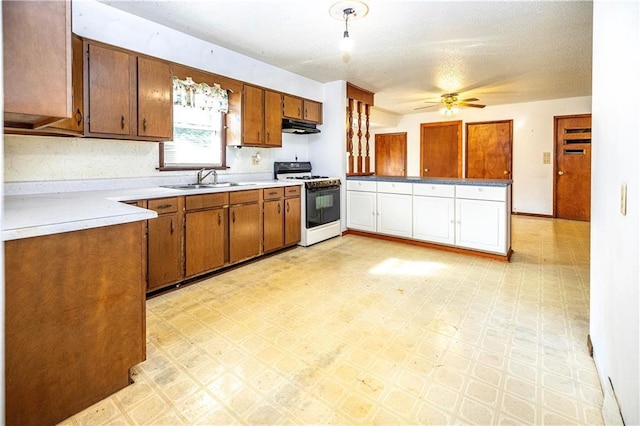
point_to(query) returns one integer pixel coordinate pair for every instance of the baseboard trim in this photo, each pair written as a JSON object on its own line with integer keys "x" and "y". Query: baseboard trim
{"x": 548, "y": 216}
{"x": 486, "y": 255}
{"x": 611, "y": 414}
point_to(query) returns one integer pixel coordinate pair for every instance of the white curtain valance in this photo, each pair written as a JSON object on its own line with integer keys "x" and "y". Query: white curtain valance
{"x": 190, "y": 94}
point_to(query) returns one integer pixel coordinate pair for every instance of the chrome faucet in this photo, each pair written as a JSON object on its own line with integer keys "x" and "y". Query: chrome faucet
{"x": 202, "y": 177}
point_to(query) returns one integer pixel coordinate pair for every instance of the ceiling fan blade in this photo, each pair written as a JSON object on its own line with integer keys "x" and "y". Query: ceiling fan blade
{"x": 462, "y": 104}
{"x": 469, "y": 100}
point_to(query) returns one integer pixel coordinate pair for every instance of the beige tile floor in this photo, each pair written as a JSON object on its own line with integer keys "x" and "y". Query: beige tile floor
{"x": 355, "y": 330}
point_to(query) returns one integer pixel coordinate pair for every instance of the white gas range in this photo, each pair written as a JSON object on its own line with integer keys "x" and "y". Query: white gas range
{"x": 320, "y": 201}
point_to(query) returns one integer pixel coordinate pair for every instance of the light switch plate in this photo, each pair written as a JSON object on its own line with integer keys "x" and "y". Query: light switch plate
{"x": 623, "y": 199}
{"x": 546, "y": 158}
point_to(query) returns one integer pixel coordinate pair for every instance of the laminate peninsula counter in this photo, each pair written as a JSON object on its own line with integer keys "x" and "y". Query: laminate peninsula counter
{"x": 467, "y": 215}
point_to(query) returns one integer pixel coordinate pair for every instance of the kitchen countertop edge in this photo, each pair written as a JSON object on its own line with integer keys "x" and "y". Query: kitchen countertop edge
{"x": 35, "y": 215}
{"x": 441, "y": 181}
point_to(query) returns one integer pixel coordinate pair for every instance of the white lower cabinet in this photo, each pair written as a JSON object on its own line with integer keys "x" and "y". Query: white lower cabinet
{"x": 434, "y": 219}
{"x": 394, "y": 214}
{"x": 361, "y": 210}
{"x": 481, "y": 218}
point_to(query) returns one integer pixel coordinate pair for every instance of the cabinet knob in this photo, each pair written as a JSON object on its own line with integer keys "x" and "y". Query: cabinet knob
{"x": 78, "y": 116}
{"x": 122, "y": 122}
{"x": 287, "y": 207}
{"x": 219, "y": 218}
{"x": 278, "y": 208}
{"x": 144, "y": 124}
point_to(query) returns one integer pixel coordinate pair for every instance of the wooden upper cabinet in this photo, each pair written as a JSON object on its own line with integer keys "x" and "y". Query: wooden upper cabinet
{"x": 292, "y": 107}
{"x": 301, "y": 109}
{"x": 273, "y": 118}
{"x": 252, "y": 115}
{"x": 37, "y": 62}
{"x": 312, "y": 111}
{"x": 155, "y": 111}
{"x": 108, "y": 97}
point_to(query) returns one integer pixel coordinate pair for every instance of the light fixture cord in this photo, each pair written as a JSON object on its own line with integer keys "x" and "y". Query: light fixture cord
{"x": 347, "y": 12}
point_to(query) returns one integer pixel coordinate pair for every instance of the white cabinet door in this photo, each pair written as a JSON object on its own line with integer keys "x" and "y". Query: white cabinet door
{"x": 481, "y": 225}
{"x": 361, "y": 210}
{"x": 394, "y": 214}
{"x": 433, "y": 219}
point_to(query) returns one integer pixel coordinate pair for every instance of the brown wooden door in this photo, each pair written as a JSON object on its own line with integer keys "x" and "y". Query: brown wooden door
{"x": 441, "y": 149}
{"x": 292, "y": 107}
{"x": 572, "y": 183}
{"x": 109, "y": 99}
{"x": 312, "y": 111}
{"x": 391, "y": 154}
{"x": 244, "y": 231}
{"x": 155, "y": 109}
{"x": 273, "y": 118}
{"x": 164, "y": 253}
{"x": 292, "y": 221}
{"x": 488, "y": 149}
{"x": 273, "y": 225}
{"x": 252, "y": 115}
{"x": 205, "y": 240}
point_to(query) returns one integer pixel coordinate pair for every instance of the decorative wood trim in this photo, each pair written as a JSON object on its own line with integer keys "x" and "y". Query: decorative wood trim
{"x": 460, "y": 250}
{"x": 359, "y": 94}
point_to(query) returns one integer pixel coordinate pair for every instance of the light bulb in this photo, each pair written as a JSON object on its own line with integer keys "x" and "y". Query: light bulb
{"x": 346, "y": 44}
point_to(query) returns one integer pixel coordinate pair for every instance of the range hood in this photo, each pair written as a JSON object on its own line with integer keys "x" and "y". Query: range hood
{"x": 298, "y": 127}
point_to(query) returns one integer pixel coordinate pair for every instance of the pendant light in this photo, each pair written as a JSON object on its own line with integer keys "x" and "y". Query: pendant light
{"x": 348, "y": 10}
{"x": 347, "y": 43}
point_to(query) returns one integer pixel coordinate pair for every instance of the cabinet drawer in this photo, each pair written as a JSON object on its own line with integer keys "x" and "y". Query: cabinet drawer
{"x": 292, "y": 191}
{"x": 395, "y": 187}
{"x": 360, "y": 185}
{"x": 164, "y": 205}
{"x": 434, "y": 190}
{"x": 273, "y": 193}
{"x": 242, "y": 197}
{"x": 195, "y": 202}
{"x": 475, "y": 192}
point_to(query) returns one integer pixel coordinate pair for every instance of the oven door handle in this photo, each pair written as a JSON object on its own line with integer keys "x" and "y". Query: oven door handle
{"x": 324, "y": 188}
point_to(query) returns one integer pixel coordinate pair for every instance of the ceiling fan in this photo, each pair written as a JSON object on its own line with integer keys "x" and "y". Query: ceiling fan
{"x": 450, "y": 103}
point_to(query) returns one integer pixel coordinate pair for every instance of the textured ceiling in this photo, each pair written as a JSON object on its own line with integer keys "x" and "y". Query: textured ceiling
{"x": 406, "y": 52}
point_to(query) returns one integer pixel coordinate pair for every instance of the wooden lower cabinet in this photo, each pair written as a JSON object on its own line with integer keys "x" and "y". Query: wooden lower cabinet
{"x": 206, "y": 236}
{"x": 74, "y": 320}
{"x": 245, "y": 225}
{"x": 292, "y": 220}
{"x": 165, "y": 258}
{"x": 273, "y": 225}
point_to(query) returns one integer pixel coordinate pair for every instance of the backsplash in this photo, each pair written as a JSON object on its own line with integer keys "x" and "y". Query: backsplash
{"x": 41, "y": 163}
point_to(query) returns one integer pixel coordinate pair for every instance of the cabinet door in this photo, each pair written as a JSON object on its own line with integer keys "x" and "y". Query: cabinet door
{"x": 37, "y": 61}
{"x": 109, "y": 99}
{"x": 292, "y": 107}
{"x": 273, "y": 118}
{"x": 361, "y": 210}
{"x": 394, "y": 214}
{"x": 312, "y": 111}
{"x": 205, "y": 240}
{"x": 273, "y": 225}
{"x": 164, "y": 252}
{"x": 433, "y": 219}
{"x": 292, "y": 221}
{"x": 481, "y": 225}
{"x": 252, "y": 115}
{"x": 155, "y": 110}
{"x": 245, "y": 227}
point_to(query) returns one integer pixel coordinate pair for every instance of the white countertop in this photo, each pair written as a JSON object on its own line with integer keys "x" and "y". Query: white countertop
{"x": 35, "y": 215}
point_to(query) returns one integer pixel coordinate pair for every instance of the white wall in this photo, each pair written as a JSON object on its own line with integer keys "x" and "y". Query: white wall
{"x": 615, "y": 304}
{"x": 532, "y": 135}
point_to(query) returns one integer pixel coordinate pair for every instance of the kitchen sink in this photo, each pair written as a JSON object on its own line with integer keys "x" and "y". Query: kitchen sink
{"x": 207, "y": 185}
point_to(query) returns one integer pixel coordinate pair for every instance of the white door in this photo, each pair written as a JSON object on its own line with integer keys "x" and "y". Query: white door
{"x": 481, "y": 225}
{"x": 361, "y": 211}
{"x": 394, "y": 214}
{"x": 433, "y": 219}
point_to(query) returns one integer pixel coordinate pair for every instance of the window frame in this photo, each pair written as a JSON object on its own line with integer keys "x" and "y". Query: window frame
{"x": 199, "y": 76}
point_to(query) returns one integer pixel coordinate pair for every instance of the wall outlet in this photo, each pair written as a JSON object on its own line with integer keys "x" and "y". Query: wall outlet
{"x": 623, "y": 199}
{"x": 546, "y": 158}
